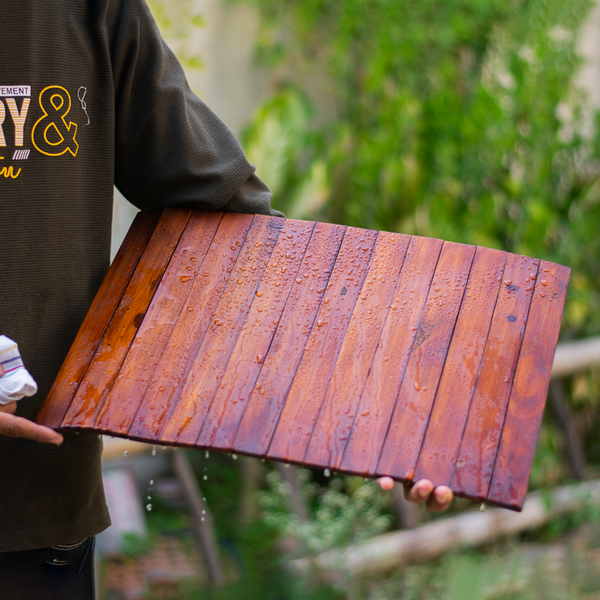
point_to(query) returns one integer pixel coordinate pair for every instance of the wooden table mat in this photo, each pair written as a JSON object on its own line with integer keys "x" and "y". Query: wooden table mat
{"x": 363, "y": 352}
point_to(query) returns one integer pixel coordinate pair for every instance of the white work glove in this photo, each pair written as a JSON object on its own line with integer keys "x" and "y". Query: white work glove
{"x": 16, "y": 382}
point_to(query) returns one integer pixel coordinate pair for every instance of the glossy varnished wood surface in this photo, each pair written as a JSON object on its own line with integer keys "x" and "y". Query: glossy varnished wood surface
{"x": 366, "y": 352}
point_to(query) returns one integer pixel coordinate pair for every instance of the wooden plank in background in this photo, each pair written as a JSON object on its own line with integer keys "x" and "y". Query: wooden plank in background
{"x": 385, "y": 378}
{"x": 457, "y": 384}
{"x": 290, "y": 424}
{"x": 213, "y": 355}
{"x": 281, "y": 363}
{"x": 194, "y": 320}
{"x": 157, "y": 326}
{"x": 528, "y": 394}
{"x": 97, "y": 319}
{"x": 332, "y": 427}
{"x": 409, "y": 420}
{"x": 133, "y": 305}
{"x": 477, "y": 452}
{"x": 252, "y": 346}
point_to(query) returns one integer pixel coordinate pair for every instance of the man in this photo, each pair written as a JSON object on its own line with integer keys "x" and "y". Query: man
{"x": 90, "y": 96}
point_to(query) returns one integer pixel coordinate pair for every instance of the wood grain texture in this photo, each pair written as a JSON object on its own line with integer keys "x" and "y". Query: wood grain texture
{"x": 333, "y": 425}
{"x": 409, "y": 420}
{"x": 528, "y": 394}
{"x": 461, "y": 368}
{"x": 477, "y": 452}
{"x": 134, "y": 303}
{"x": 389, "y": 364}
{"x": 212, "y": 359}
{"x": 336, "y": 347}
{"x": 157, "y": 325}
{"x": 174, "y": 366}
{"x": 290, "y": 434}
{"x": 298, "y": 319}
{"x": 97, "y": 319}
{"x": 253, "y": 344}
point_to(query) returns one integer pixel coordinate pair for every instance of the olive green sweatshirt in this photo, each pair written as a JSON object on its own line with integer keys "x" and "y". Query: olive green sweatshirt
{"x": 90, "y": 96}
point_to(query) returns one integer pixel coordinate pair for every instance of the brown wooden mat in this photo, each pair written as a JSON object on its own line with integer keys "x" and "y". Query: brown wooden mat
{"x": 359, "y": 351}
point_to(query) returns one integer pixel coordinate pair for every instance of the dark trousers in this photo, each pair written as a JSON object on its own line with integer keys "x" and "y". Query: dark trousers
{"x": 57, "y": 573}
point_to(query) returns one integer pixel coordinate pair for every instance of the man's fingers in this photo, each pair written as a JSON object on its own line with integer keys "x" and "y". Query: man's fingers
{"x": 419, "y": 492}
{"x": 18, "y": 427}
{"x": 10, "y": 408}
{"x": 440, "y": 499}
{"x": 386, "y": 483}
{"x": 1, "y": 370}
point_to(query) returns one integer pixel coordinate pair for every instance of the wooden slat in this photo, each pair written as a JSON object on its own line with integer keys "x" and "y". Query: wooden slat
{"x": 211, "y": 362}
{"x": 528, "y": 394}
{"x": 195, "y": 318}
{"x": 97, "y": 319}
{"x": 457, "y": 384}
{"x": 385, "y": 378}
{"x": 409, "y": 420}
{"x": 473, "y": 468}
{"x": 157, "y": 326}
{"x": 252, "y": 346}
{"x": 134, "y": 303}
{"x": 281, "y": 363}
{"x": 332, "y": 427}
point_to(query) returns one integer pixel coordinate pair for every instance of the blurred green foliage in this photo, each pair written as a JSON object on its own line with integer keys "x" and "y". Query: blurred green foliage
{"x": 347, "y": 511}
{"x": 456, "y": 119}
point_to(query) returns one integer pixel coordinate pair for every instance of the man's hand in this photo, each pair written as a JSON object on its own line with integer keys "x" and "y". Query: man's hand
{"x": 18, "y": 427}
{"x": 438, "y": 499}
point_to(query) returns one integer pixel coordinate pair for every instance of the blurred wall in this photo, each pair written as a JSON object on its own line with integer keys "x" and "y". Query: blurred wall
{"x": 589, "y": 48}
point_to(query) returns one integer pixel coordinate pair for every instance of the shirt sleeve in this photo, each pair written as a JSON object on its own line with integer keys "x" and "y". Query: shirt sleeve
{"x": 170, "y": 148}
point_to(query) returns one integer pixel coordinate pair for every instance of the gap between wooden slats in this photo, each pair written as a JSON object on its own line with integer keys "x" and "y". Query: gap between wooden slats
{"x": 336, "y": 415}
{"x": 461, "y": 368}
{"x": 97, "y": 319}
{"x": 194, "y": 320}
{"x": 97, "y": 383}
{"x": 477, "y": 452}
{"x": 528, "y": 395}
{"x": 210, "y": 364}
{"x": 253, "y": 344}
{"x": 155, "y": 330}
{"x": 299, "y": 318}
{"x": 391, "y": 358}
{"x": 411, "y": 414}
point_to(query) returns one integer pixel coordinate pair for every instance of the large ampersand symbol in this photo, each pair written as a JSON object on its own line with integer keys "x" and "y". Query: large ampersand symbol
{"x": 51, "y": 134}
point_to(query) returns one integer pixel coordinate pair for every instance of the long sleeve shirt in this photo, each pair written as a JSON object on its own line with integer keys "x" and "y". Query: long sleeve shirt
{"x": 90, "y": 96}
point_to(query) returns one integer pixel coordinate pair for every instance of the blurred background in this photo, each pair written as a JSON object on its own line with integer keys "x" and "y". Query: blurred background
{"x": 475, "y": 121}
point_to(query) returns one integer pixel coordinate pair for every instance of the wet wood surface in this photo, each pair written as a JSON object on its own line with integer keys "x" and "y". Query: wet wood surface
{"x": 477, "y": 453}
{"x": 335, "y": 418}
{"x": 134, "y": 303}
{"x": 461, "y": 368}
{"x": 299, "y": 318}
{"x": 528, "y": 395}
{"x": 428, "y": 355}
{"x": 334, "y": 347}
{"x": 96, "y": 321}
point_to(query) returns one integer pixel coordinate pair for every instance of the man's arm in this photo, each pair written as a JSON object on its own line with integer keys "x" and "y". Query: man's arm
{"x": 170, "y": 148}
{"x": 17, "y": 427}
